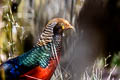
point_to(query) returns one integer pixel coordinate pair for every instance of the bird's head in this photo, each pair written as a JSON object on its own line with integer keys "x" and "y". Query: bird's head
{"x": 54, "y": 27}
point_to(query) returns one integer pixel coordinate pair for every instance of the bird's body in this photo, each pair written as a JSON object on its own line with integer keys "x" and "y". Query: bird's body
{"x": 40, "y": 62}
{"x": 46, "y": 72}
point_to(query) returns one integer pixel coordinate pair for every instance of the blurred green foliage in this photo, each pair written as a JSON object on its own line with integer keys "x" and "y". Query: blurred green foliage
{"x": 116, "y": 59}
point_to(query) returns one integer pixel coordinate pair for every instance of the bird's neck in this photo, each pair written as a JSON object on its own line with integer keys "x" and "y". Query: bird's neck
{"x": 57, "y": 41}
{"x": 45, "y": 37}
{"x": 49, "y": 38}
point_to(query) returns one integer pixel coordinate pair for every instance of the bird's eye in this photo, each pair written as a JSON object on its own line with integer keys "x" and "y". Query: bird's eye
{"x": 63, "y": 27}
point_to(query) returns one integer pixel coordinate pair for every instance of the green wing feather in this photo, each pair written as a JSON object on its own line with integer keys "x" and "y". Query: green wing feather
{"x": 39, "y": 55}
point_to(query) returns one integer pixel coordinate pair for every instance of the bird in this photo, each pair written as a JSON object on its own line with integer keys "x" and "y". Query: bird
{"x": 40, "y": 62}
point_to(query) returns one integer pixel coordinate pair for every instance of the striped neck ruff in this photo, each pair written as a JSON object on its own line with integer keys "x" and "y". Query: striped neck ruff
{"x": 47, "y": 34}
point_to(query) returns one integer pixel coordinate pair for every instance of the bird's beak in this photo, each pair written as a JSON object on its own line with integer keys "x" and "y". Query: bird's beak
{"x": 73, "y": 28}
{"x": 69, "y": 27}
